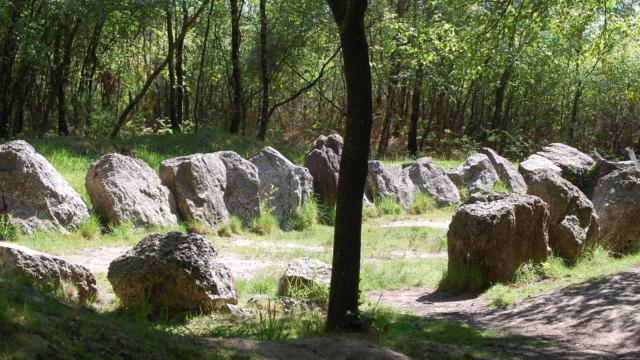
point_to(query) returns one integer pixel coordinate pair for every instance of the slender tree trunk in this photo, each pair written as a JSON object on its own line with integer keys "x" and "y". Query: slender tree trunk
{"x": 180, "y": 93}
{"x": 496, "y": 119}
{"x": 264, "y": 71}
{"x": 573, "y": 125}
{"x": 173, "y": 116}
{"x": 9, "y": 49}
{"x": 196, "y": 110}
{"x": 236, "y": 78}
{"x": 412, "y": 145}
{"x": 343, "y": 297}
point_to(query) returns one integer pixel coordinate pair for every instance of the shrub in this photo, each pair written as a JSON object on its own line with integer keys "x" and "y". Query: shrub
{"x": 8, "y": 231}
{"x": 265, "y": 223}
{"x": 91, "y": 227}
{"x": 305, "y": 215}
{"x": 388, "y": 206}
{"x": 422, "y": 203}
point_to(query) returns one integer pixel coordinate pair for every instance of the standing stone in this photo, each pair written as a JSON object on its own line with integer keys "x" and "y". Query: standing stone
{"x": 34, "y": 194}
{"x": 507, "y": 172}
{"x": 494, "y": 234}
{"x": 45, "y": 270}
{"x": 430, "y": 179}
{"x": 179, "y": 271}
{"x": 323, "y": 162}
{"x": 123, "y": 188}
{"x": 389, "y": 181}
{"x": 573, "y": 223}
{"x": 304, "y": 274}
{"x": 283, "y": 185}
{"x": 242, "y": 195}
{"x": 198, "y": 184}
{"x": 572, "y": 161}
{"x": 617, "y": 201}
{"x": 478, "y": 173}
{"x": 536, "y": 162}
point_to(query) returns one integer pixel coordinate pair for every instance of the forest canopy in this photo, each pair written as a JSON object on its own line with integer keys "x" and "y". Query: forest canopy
{"x": 449, "y": 74}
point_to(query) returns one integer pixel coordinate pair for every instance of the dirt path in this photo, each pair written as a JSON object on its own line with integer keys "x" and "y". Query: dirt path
{"x": 595, "y": 320}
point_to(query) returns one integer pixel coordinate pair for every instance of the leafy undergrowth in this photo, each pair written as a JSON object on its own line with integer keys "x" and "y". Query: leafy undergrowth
{"x": 531, "y": 280}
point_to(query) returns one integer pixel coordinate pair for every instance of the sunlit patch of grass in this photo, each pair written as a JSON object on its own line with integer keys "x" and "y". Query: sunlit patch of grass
{"x": 501, "y": 187}
{"x": 401, "y": 274}
{"x": 422, "y": 204}
{"x": 388, "y": 206}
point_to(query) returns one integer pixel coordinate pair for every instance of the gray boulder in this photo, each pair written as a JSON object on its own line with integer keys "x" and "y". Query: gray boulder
{"x": 123, "y": 188}
{"x": 389, "y": 181}
{"x": 573, "y": 223}
{"x": 323, "y": 162}
{"x": 34, "y": 194}
{"x": 304, "y": 274}
{"x": 174, "y": 270}
{"x": 494, "y": 234}
{"x": 242, "y": 195}
{"x": 572, "y": 161}
{"x": 507, "y": 172}
{"x": 430, "y": 179}
{"x": 536, "y": 162}
{"x": 478, "y": 174}
{"x": 197, "y": 183}
{"x": 617, "y": 201}
{"x": 45, "y": 270}
{"x": 283, "y": 185}
{"x": 455, "y": 175}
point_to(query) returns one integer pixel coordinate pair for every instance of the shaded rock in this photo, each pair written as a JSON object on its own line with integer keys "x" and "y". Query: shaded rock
{"x": 283, "y": 185}
{"x": 123, "y": 188}
{"x": 174, "y": 270}
{"x": 493, "y": 234}
{"x": 431, "y": 179}
{"x": 573, "y": 223}
{"x": 617, "y": 201}
{"x": 323, "y": 162}
{"x": 304, "y": 274}
{"x": 242, "y": 195}
{"x": 45, "y": 270}
{"x": 455, "y": 175}
{"x": 573, "y": 162}
{"x": 388, "y": 181}
{"x": 478, "y": 174}
{"x": 34, "y": 194}
{"x": 237, "y": 310}
{"x": 507, "y": 172}
{"x": 197, "y": 183}
{"x": 536, "y": 162}
{"x": 631, "y": 155}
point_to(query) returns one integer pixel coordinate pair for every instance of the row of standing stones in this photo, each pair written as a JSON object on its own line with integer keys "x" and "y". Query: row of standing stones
{"x": 494, "y": 233}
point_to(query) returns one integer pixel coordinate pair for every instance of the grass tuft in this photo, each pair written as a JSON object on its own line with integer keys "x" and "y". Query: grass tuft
{"x": 91, "y": 228}
{"x": 501, "y": 187}
{"x": 466, "y": 280}
{"x": 422, "y": 203}
{"x": 8, "y": 231}
{"x": 388, "y": 206}
{"x": 231, "y": 227}
{"x": 264, "y": 224}
{"x": 304, "y": 216}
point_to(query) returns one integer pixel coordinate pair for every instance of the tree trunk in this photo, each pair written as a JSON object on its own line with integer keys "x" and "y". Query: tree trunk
{"x": 173, "y": 116}
{"x": 9, "y": 49}
{"x": 264, "y": 71}
{"x": 236, "y": 78}
{"x": 496, "y": 119}
{"x": 574, "y": 111}
{"x": 180, "y": 93}
{"x": 196, "y": 110}
{"x": 412, "y": 145}
{"x": 343, "y": 298}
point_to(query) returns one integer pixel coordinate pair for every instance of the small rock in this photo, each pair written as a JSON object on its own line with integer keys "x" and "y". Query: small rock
{"x": 174, "y": 270}
{"x": 389, "y": 181}
{"x": 478, "y": 173}
{"x": 304, "y": 273}
{"x": 237, "y": 310}
{"x": 507, "y": 172}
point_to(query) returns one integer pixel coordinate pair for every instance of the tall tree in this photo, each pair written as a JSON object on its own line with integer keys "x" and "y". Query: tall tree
{"x": 264, "y": 71}
{"x": 236, "y": 77}
{"x": 344, "y": 293}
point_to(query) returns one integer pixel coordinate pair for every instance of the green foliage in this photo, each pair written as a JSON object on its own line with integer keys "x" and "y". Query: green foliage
{"x": 388, "y": 206}
{"x": 327, "y": 215}
{"x": 231, "y": 227}
{"x": 91, "y": 228}
{"x": 305, "y": 215}
{"x": 500, "y": 187}
{"x": 196, "y": 226}
{"x": 315, "y": 292}
{"x": 123, "y": 229}
{"x": 421, "y": 204}
{"x": 264, "y": 224}
{"x": 462, "y": 279}
{"x": 8, "y": 231}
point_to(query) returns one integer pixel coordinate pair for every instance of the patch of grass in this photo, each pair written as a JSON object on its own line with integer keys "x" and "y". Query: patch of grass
{"x": 123, "y": 230}
{"x": 531, "y": 280}
{"x": 327, "y": 215}
{"x": 370, "y": 212}
{"x": 422, "y": 204}
{"x": 501, "y": 187}
{"x": 196, "y": 226}
{"x": 263, "y": 284}
{"x": 304, "y": 216}
{"x": 231, "y": 227}
{"x": 400, "y": 274}
{"x": 388, "y": 206}
{"x": 91, "y": 228}
{"x": 465, "y": 194}
{"x": 468, "y": 279}
{"x": 264, "y": 224}
{"x": 315, "y": 292}
{"x": 8, "y": 231}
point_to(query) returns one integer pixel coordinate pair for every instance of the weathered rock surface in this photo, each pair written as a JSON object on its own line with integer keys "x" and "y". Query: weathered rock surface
{"x": 123, "y": 188}
{"x": 454, "y": 174}
{"x": 242, "y": 195}
{"x": 617, "y": 201}
{"x": 572, "y": 161}
{"x": 198, "y": 184}
{"x": 34, "y": 194}
{"x": 507, "y": 172}
{"x": 323, "y": 162}
{"x": 304, "y": 274}
{"x": 573, "y": 223}
{"x": 174, "y": 270}
{"x": 283, "y": 185}
{"x": 478, "y": 174}
{"x": 45, "y": 270}
{"x": 430, "y": 178}
{"x": 495, "y": 233}
{"x": 536, "y": 162}
{"x": 389, "y": 181}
